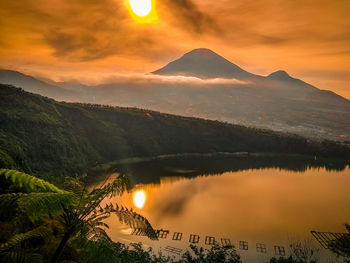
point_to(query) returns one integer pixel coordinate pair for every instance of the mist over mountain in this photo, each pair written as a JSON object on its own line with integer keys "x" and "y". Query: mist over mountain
{"x": 35, "y": 85}
{"x": 277, "y": 101}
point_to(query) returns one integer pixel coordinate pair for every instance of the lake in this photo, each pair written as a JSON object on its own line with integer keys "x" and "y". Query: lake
{"x": 272, "y": 202}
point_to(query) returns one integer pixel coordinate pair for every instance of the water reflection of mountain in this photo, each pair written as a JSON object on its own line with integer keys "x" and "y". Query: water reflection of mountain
{"x": 195, "y": 165}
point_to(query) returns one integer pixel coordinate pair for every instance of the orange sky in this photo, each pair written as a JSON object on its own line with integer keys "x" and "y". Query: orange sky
{"x": 89, "y": 39}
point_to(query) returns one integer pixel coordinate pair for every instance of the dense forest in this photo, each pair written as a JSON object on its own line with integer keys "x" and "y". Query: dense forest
{"x": 45, "y": 137}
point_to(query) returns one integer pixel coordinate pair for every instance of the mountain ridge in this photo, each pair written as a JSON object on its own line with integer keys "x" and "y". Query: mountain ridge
{"x": 35, "y": 85}
{"x": 225, "y": 69}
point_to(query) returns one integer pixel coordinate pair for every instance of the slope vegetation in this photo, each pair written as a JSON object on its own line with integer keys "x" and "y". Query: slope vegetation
{"x": 46, "y": 137}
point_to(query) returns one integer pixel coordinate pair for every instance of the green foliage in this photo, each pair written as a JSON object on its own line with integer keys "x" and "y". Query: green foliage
{"x": 35, "y": 206}
{"x": 29, "y": 183}
{"x": 39, "y": 232}
{"x": 101, "y": 252}
{"x": 37, "y": 198}
{"x": 6, "y": 161}
{"x": 46, "y": 137}
{"x": 21, "y": 256}
{"x": 216, "y": 253}
{"x": 106, "y": 252}
{"x": 135, "y": 221}
{"x": 42, "y": 208}
{"x": 304, "y": 251}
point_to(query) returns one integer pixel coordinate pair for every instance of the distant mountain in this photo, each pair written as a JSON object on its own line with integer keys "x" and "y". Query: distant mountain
{"x": 281, "y": 75}
{"x": 31, "y": 84}
{"x": 278, "y": 101}
{"x": 47, "y": 137}
{"x": 300, "y": 89}
{"x": 204, "y": 63}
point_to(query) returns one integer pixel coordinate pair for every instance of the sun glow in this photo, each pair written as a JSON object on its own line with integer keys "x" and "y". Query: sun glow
{"x": 139, "y": 198}
{"x": 141, "y": 7}
{"x": 142, "y": 11}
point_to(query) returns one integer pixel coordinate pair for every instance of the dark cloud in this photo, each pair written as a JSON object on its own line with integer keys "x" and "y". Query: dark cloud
{"x": 86, "y": 30}
{"x": 187, "y": 15}
{"x": 79, "y": 45}
{"x": 271, "y": 40}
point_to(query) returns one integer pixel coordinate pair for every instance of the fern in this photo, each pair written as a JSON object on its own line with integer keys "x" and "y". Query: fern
{"x": 97, "y": 234}
{"x": 20, "y": 256}
{"x": 39, "y": 205}
{"x": 8, "y": 205}
{"x": 29, "y": 183}
{"x": 77, "y": 211}
{"x": 133, "y": 220}
{"x": 39, "y": 232}
{"x": 35, "y": 206}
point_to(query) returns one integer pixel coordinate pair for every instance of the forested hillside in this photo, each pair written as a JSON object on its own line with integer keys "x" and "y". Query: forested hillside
{"x": 46, "y": 137}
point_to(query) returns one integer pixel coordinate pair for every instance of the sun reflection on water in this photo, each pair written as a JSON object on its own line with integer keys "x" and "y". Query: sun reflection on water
{"x": 139, "y": 198}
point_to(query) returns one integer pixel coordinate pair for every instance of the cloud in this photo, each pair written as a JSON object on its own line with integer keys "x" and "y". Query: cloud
{"x": 187, "y": 15}
{"x": 78, "y": 45}
{"x": 88, "y": 37}
{"x": 145, "y": 79}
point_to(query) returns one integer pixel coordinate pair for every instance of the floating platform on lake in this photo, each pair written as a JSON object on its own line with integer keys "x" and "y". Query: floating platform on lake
{"x": 177, "y": 236}
{"x": 226, "y": 242}
{"x": 243, "y": 245}
{"x": 327, "y": 238}
{"x": 261, "y": 248}
{"x": 279, "y": 251}
{"x": 161, "y": 233}
{"x": 173, "y": 250}
{"x": 209, "y": 240}
{"x": 194, "y": 239}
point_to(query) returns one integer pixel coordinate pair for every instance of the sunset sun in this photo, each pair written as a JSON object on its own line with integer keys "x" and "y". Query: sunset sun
{"x": 141, "y": 7}
{"x": 142, "y": 11}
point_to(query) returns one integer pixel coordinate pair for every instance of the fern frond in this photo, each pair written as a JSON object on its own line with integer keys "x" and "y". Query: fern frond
{"x": 120, "y": 185}
{"x": 8, "y": 205}
{"x": 98, "y": 234}
{"x": 39, "y": 205}
{"x": 29, "y": 183}
{"x": 20, "y": 256}
{"x": 134, "y": 221}
{"x": 74, "y": 185}
{"x": 117, "y": 187}
{"x": 17, "y": 239}
{"x": 35, "y": 205}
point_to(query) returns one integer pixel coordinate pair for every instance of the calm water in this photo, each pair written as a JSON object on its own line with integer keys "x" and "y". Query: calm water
{"x": 272, "y": 206}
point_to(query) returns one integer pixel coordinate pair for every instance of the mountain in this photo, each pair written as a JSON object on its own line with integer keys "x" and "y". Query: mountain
{"x": 278, "y": 101}
{"x": 46, "y": 137}
{"x": 34, "y": 85}
{"x": 204, "y": 63}
{"x": 280, "y": 75}
{"x": 302, "y": 88}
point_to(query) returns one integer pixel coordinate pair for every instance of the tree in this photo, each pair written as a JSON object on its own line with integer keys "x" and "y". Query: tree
{"x": 216, "y": 253}
{"x": 76, "y": 210}
{"x": 304, "y": 251}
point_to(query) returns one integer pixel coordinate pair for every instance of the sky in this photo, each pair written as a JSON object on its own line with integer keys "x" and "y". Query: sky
{"x": 88, "y": 40}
